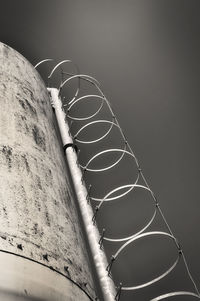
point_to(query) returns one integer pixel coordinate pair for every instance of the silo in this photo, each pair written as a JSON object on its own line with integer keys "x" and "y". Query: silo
{"x": 42, "y": 251}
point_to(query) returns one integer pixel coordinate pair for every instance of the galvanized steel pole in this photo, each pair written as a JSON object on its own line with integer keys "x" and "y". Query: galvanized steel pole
{"x": 92, "y": 232}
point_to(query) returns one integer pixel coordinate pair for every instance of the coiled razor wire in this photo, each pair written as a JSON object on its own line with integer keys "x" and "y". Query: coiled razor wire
{"x": 122, "y": 190}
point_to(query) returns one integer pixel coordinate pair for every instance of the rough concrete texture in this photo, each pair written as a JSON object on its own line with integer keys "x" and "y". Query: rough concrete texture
{"x": 38, "y": 218}
{"x": 25, "y": 280}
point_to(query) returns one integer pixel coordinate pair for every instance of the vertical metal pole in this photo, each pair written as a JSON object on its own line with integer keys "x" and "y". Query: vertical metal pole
{"x": 92, "y": 232}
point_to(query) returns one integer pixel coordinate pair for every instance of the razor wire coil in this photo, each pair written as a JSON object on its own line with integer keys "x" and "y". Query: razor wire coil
{"x": 99, "y": 97}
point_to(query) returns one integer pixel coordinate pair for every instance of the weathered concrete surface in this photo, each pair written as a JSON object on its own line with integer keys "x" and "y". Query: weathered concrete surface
{"x": 38, "y": 218}
{"x": 34, "y": 282}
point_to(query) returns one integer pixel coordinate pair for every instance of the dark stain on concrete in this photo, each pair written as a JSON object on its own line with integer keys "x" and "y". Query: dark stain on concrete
{"x": 45, "y": 257}
{"x": 5, "y": 211}
{"x": 26, "y": 163}
{"x": 80, "y": 269}
{"x": 21, "y": 122}
{"x": 23, "y": 118}
{"x": 31, "y": 109}
{"x": 4, "y": 87}
{"x": 26, "y": 91}
{"x": 47, "y": 218}
{"x": 61, "y": 229}
{"x": 39, "y": 137}
{"x": 66, "y": 269}
{"x": 10, "y": 240}
{"x": 37, "y": 205}
{"x": 38, "y": 181}
{"x": 26, "y": 105}
{"x": 7, "y": 151}
{"x": 69, "y": 260}
{"x": 3, "y": 237}
{"x": 19, "y": 246}
{"x": 22, "y": 104}
{"x": 35, "y": 228}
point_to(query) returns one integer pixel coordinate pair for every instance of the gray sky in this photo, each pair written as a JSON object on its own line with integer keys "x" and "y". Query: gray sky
{"x": 145, "y": 54}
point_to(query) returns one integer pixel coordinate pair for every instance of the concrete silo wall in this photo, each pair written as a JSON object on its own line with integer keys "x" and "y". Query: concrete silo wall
{"x": 38, "y": 218}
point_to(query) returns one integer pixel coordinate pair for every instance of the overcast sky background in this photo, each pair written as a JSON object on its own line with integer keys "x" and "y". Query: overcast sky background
{"x": 145, "y": 54}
